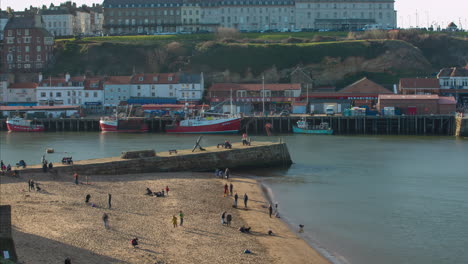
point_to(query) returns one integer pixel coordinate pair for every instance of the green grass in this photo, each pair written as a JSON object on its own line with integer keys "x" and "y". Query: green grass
{"x": 151, "y": 39}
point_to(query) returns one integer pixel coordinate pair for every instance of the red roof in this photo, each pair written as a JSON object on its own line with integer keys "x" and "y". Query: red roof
{"x": 25, "y": 85}
{"x": 364, "y": 86}
{"x": 412, "y": 83}
{"x": 45, "y": 107}
{"x": 118, "y": 80}
{"x": 163, "y": 106}
{"x": 450, "y": 100}
{"x": 60, "y": 81}
{"x": 408, "y": 97}
{"x": 94, "y": 83}
{"x": 155, "y": 78}
{"x": 218, "y": 87}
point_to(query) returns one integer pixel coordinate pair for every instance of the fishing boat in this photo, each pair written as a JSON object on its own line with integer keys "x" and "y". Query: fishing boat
{"x": 303, "y": 127}
{"x": 18, "y": 124}
{"x": 125, "y": 124}
{"x": 206, "y": 125}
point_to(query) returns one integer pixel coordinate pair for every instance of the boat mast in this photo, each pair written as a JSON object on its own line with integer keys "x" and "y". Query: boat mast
{"x": 231, "y": 104}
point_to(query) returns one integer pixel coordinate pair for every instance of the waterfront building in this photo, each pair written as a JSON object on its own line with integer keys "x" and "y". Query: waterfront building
{"x": 454, "y": 81}
{"x": 116, "y": 90}
{"x": 93, "y": 95}
{"x": 151, "y": 16}
{"x": 251, "y": 97}
{"x": 21, "y": 94}
{"x": 418, "y": 104}
{"x": 59, "y": 22}
{"x": 190, "y": 87}
{"x": 60, "y": 90}
{"x": 4, "y": 83}
{"x": 419, "y": 86}
{"x": 28, "y": 46}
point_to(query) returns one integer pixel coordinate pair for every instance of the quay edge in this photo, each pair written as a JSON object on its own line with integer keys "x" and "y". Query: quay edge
{"x": 258, "y": 155}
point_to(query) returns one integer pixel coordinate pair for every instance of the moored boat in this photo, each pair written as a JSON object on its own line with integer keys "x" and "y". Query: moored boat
{"x": 18, "y": 124}
{"x": 303, "y": 127}
{"x": 206, "y": 125}
{"x": 128, "y": 124}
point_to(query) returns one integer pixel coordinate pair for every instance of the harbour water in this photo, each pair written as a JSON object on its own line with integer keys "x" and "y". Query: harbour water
{"x": 363, "y": 200}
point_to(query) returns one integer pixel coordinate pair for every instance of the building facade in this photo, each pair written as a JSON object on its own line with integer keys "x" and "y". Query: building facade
{"x": 3, "y": 22}
{"x": 154, "y": 16}
{"x": 454, "y": 82}
{"x": 116, "y": 90}
{"x": 21, "y": 93}
{"x": 28, "y": 46}
{"x": 60, "y": 91}
{"x": 419, "y": 86}
{"x": 59, "y": 22}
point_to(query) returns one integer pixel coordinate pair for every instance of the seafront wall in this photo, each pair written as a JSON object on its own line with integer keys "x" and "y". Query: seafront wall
{"x": 258, "y": 155}
{"x": 462, "y": 127}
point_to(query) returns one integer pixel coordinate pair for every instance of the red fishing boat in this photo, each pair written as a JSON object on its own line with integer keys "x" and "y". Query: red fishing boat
{"x": 128, "y": 124}
{"x": 206, "y": 125}
{"x": 18, "y": 124}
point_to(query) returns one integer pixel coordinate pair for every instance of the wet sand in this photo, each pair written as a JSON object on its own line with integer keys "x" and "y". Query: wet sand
{"x": 53, "y": 224}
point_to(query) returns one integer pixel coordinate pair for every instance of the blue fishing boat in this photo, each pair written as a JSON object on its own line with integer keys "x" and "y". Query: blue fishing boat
{"x": 303, "y": 127}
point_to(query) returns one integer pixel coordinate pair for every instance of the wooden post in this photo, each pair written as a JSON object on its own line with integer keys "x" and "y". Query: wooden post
{"x": 416, "y": 119}
{"x": 424, "y": 125}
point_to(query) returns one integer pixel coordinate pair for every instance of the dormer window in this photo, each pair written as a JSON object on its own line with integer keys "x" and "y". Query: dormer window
{"x": 140, "y": 78}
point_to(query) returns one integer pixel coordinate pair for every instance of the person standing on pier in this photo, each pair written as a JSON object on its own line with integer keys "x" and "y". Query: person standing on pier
{"x": 230, "y": 188}
{"x": 246, "y": 199}
{"x": 109, "y": 200}
{"x": 235, "y": 200}
{"x": 75, "y": 176}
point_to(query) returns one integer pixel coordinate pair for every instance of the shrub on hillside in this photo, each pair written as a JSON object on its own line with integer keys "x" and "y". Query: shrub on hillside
{"x": 292, "y": 40}
{"x": 227, "y": 33}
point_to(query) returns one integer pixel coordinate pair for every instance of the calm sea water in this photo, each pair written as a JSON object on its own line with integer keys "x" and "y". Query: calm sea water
{"x": 362, "y": 199}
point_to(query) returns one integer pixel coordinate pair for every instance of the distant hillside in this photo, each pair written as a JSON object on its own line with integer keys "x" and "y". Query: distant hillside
{"x": 330, "y": 57}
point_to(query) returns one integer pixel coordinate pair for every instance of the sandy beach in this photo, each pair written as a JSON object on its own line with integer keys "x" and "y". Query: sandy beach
{"x": 56, "y": 223}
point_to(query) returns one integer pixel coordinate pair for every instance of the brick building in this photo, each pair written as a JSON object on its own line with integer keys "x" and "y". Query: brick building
{"x": 418, "y": 104}
{"x": 28, "y": 46}
{"x": 419, "y": 86}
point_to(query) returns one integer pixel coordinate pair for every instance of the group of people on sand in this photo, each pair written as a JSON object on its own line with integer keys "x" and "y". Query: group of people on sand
{"x": 162, "y": 193}
{"x": 33, "y": 186}
{"x": 181, "y": 218}
{"x": 226, "y": 173}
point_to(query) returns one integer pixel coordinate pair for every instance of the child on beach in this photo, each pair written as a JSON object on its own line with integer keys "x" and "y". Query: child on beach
{"x": 181, "y": 216}
{"x": 167, "y": 190}
{"x": 174, "y": 221}
{"x": 134, "y": 242}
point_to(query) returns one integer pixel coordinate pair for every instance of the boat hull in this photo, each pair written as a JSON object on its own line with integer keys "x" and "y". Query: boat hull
{"x": 228, "y": 127}
{"x": 315, "y": 131}
{"x": 17, "y": 128}
{"x": 112, "y": 126}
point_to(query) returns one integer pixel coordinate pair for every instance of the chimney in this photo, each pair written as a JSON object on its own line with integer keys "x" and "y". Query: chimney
{"x": 67, "y": 77}
{"x": 40, "y": 77}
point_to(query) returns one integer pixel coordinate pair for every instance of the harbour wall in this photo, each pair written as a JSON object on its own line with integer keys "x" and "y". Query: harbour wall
{"x": 462, "y": 127}
{"x": 258, "y": 155}
{"x": 443, "y": 125}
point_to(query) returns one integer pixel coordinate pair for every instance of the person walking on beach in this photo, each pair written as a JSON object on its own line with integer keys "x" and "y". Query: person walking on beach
{"x": 29, "y": 185}
{"x": 223, "y": 217}
{"x": 235, "y": 200}
{"x": 105, "y": 219}
{"x": 230, "y": 188}
{"x": 75, "y": 176}
{"x": 228, "y": 220}
{"x": 246, "y": 199}
{"x": 174, "y": 221}
{"x": 227, "y": 173}
{"x": 109, "y": 200}
{"x": 88, "y": 196}
{"x": 181, "y": 216}
{"x": 225, "y": 190}
{"x": 270, "y": 210}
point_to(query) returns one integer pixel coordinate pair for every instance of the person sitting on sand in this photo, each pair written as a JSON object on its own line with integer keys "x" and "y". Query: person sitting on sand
{"x": 270, "y": 232}
{"x": 134, "y": 242}
{"x": 38, "y": 189}
{"x": 88, "y": 196}
{"x": 301, "y": 228}
{"x": 243, "y": 229}
{"x": 148, "y": 191}
{"x": 227, "y": 145}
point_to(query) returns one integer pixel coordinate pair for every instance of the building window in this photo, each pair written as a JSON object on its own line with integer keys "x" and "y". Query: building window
{"x": 58, "y": 94}
{"x": 38, "y": 57}
{"x": 138, "y": 87}
{"x": 153, "y": 94}
{"x": 95, "y": 94}
{"x": 43, "y": 94}
{"x": 86, "y": 94}
{"x": 26, "y": 48}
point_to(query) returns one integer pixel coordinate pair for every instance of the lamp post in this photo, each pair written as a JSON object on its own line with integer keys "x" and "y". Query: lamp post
{"x": 263, "y": 95}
